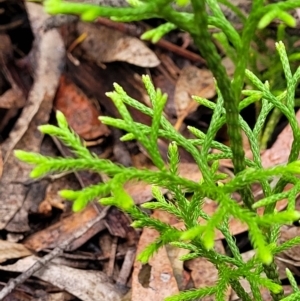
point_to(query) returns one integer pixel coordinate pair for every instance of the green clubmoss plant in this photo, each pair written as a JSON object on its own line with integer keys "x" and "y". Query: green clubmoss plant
{"x": 197, "y": 237}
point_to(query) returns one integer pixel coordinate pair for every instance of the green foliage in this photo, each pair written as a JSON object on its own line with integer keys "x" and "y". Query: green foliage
{"x": 197, "y": 237}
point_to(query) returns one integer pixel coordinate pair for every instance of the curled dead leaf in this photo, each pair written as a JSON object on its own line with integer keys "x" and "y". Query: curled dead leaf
{"x": 108, "y": 45}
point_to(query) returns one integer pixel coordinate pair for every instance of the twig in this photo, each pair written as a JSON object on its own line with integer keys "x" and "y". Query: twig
{"x": 126, "y": 267}
{"x": 46, "y": 259}
{"x": 112, "y": 257}
{"x": 133, "y": 30}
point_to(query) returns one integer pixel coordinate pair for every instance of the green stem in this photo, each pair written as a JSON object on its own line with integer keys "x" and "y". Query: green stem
{"x": 208, "y": 50}
{"x": 272, "y": 273}
{"x": 231, "y": 99}
{"x": 240, "y": 291}
{"x": 269, "y": 129}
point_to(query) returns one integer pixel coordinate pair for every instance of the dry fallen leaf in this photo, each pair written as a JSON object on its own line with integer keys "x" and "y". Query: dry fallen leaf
{"x": 14, "y": 194}
{"x": 14, "y": 97}
{"x": 52, "y": 199}
{"x": 19, "y": 294}
{"x": 278, "y": 153}
{"x": 193, "y": 81}
{"x": 229, "y": 66}
{"x": 154, "y": 281}
{"x": 81, "y": 114}
{"x": 108, "y": 45}
{"x": 287, "y": 233}
{"x": 280, "y": 150}
{"x": 181, "y": 276}
{"x": 10, "y": 250}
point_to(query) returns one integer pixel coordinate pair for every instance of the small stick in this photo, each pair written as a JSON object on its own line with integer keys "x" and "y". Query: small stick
{"x": 162, "y": 43}
{"x": 111, "y": 263}
{"x": 126, "y": 266}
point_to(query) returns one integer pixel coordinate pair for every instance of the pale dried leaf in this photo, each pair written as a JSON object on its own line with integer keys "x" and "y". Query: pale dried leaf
{"x": 287, "y": 233}
{"x": 280, "y": 150}
{"x": 10, "y": 250}
{"x": 51, "y": 200}
{"x": 174, "y": 255}
{"x": 107, "y": 45}
{"x": 192, "y": 81}
{"x": 12, "y": 98}
{"x": 63, "y": 296}
{"x": 229, "y": 66}
{"x": 282, "y": 263}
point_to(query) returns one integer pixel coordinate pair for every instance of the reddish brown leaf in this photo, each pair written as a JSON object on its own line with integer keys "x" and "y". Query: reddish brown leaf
{"x": 81, "y": 114}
